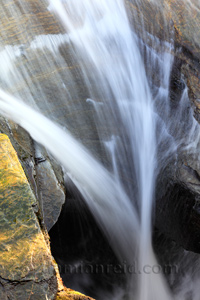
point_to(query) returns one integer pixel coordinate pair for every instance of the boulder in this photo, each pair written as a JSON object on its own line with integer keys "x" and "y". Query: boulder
{"x": 51, "y": 193}
{"x": 26, "y": 267}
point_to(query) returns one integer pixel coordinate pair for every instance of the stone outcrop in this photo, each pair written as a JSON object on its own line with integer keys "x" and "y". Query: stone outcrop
{"x": 51, "y": 193}
{"x": 44, "y": 174}
{"x": 26, "y": 267}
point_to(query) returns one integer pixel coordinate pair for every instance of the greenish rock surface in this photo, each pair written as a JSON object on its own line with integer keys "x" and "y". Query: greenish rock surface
{"x": 26, "y": 267}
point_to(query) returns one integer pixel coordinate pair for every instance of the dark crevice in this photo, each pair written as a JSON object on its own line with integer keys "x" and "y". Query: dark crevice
{"x": 178, "y": 207}
{"x": 177, "y": 84}
{"x": 5, "y": 281}
{"x": 81, "y": 250}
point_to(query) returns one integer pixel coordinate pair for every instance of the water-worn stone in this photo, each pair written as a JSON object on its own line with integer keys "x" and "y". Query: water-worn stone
{"x": 26, "y": 267}
{"x": 52, "y": 196}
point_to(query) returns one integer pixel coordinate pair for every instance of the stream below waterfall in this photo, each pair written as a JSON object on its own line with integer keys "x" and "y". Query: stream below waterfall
{"x": 129, "y": 114}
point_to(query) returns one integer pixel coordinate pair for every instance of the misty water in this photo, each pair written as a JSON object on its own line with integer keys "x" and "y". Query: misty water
{"x": 142, "y": 134}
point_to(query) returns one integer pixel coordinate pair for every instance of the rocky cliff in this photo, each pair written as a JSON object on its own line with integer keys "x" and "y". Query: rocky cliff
{"x": 178, "y": 184}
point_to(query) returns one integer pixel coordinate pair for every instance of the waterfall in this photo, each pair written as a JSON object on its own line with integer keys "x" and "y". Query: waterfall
{"x": 108, "y": 204}
{"x": 111, "y": 53}
{"x": 131, "y": 118}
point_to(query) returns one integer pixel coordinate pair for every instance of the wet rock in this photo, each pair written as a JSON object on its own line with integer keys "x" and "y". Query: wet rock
{"x": 178, "y": 195}
{"x": 179, "y": 24}
{"x": 39, "y": 68}
{"x": 179, "y": 266}
{"x": 26, "y": 266}
{"x": 51, "y": 192}
{"x": 21, "y": 20}
{"x": 46, "y": 179}
{"x": 178, "y": 184}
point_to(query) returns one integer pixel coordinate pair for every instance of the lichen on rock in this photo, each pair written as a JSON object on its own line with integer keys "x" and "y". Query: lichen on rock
{"x": 26, "y": 267}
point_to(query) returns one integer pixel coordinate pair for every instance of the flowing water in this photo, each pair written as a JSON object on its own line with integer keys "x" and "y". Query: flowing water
{"x": 114, "y": 57}
{"x": 138, "y": 140}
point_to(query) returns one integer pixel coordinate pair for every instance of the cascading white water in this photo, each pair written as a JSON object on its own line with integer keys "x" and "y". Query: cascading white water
{"x": 108, "y": 204}
{"x": 109, "y": 56}
{"x": 105, "y": 42}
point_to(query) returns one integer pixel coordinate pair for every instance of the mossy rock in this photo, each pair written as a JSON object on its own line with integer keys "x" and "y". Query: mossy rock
{"x": 25, "y": 258}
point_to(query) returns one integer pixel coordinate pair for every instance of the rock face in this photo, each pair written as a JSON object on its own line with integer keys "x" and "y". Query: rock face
{"x": 51, "y": 194}
{"x": 39, "y": 68}
{"x": 171, "y": 20}
{"x": 26, "y": 266}
{"x": 178, "y": 183}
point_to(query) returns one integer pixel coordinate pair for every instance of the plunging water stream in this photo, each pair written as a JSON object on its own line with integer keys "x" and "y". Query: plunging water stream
{"x": 121, "y": 198}
{"x": 113, "y": 56}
